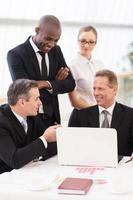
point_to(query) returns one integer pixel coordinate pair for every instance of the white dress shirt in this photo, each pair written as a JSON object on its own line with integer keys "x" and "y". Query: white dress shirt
{"x": 39, "y": 58}
{"x": 83, "y": 71}
{"x": 20, "y": 119}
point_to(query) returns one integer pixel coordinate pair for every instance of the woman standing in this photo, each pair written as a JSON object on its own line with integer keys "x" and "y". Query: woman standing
{"x": 83, "y": 68}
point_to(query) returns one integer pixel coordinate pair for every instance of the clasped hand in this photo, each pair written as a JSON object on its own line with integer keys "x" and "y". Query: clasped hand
{"x": 62, "y": 73}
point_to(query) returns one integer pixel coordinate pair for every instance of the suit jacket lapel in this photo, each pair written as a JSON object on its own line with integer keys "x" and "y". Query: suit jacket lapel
{"x": 117, "y": 117}
{"x": 19, "y": 131}
{"x": 94, "y": 116}
{"x": 33, "y": 59}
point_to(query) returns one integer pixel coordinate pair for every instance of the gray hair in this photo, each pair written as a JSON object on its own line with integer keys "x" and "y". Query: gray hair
{"x": 20, "y": 89}
{"x": 112, "y": 78}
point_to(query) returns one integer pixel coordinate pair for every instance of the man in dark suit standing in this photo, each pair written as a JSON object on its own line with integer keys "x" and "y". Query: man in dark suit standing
{"x": 107, "y": 113}
{"x": 22, "y": 136}
{"x": 41, "y": 59}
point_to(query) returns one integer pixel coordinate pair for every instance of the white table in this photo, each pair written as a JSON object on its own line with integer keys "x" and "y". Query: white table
{"x": 21, "y": 184}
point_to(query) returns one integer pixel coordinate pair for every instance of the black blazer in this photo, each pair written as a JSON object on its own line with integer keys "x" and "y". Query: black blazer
{"x": 122, "y": 121}
{"x": 23, "y": 63}
{"x": 18, "y": 148}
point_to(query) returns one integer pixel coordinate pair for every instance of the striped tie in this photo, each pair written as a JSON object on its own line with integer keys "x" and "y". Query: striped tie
{"x": 105, "y": 123}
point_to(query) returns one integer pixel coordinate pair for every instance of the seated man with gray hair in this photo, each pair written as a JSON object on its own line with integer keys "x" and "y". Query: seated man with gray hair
{"x": 22, "y": 136}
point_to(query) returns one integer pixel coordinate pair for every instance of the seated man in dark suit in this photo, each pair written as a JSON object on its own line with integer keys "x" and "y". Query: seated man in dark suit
{"x": 22, "y": 136}
{"x": 40, "y": 58}
{"x": 107, "y": 112}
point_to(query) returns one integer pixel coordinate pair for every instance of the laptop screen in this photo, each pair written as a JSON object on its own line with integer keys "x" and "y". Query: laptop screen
{"x": 87, "y": 146}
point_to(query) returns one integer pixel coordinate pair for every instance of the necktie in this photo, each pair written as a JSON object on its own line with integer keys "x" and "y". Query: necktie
{"x": 105, "y": 123}
{"x": 43, "y": 66}
{"x": 24, "y": 124}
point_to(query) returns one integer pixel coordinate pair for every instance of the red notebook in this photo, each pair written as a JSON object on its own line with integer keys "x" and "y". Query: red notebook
{"x": 75, "y": 186}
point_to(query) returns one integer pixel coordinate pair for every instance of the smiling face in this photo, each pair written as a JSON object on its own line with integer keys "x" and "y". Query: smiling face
{"x": 87, "y": 41}
{"x": 47, "y": 35}
{"x": 104, "y": 92}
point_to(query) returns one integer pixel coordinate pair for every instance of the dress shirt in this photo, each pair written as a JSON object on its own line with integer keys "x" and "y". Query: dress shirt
{"x": 109, "y": 115}
{"x": 20, "y": 118}
{"x": 39, "y": 58}
{"x": 83, "y": 71}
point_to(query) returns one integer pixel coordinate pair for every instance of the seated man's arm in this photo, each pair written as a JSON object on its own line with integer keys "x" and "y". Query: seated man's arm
{"x": 16, "y": 157}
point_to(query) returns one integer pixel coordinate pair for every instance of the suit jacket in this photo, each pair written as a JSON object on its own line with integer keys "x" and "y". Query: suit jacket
{"x": 122, "y": 121}
{"x": 23, "y": 63}
{"x": 17, "y": 148}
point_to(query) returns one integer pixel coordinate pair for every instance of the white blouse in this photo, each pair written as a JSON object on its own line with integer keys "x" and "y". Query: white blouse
{"x": 83, "y": 71}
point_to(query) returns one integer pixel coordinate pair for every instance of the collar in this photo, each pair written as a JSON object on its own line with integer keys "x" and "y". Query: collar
{"x": 109, "y": 109}
{"x": 85, "y": 59}
{"x": 20, "y": 118}
{"x": 35, "y": 48}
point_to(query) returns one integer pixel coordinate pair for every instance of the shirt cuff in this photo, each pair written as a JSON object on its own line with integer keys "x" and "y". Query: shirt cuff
{"x": 44, "y": 141}
{"x": 51, "y": 90}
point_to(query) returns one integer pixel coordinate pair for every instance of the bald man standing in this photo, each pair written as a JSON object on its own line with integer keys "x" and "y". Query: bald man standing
{"x": 41, "y": 59}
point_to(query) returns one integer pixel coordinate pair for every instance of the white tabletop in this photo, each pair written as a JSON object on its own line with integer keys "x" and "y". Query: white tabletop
{"x": 39, "y": 181}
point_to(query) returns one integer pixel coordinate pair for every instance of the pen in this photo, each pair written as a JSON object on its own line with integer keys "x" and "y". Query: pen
{"x": 128, "y": 160}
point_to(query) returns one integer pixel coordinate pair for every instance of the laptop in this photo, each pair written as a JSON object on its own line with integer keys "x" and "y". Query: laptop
{"x": 87, "y": 146}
